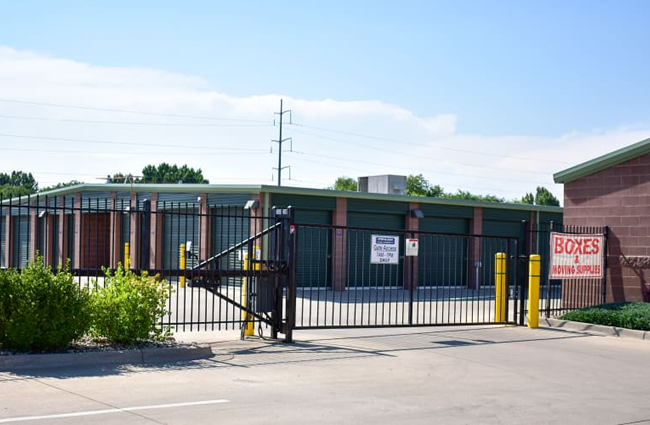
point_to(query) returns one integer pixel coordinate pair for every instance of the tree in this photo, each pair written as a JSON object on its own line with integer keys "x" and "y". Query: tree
{"x": 463, "y": 194}
{"x": 345, "y": 183}
{"x": 417, "y": 185}
{"x": 542, "y": 197}
{"x": 17, "y": 183}
{"x": 545, "y": 197}
{"x": 163, "y": 173}
{"x": 61, "y": 185}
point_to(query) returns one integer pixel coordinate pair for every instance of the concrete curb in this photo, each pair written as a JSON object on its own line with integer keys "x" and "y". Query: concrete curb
{"x": 598, "y": 329}
{"x": 143, "y": 356}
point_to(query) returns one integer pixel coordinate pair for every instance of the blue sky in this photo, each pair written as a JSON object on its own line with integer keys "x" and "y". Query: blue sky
{"x": 512, "y": 75}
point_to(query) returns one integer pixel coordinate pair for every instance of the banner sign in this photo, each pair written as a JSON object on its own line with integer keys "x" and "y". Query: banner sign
{"x": 384, "y": 249}
{"x": 576, "y": 256}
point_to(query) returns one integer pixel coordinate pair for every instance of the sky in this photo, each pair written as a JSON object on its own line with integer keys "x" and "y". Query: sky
{"x": 491, "y": 97}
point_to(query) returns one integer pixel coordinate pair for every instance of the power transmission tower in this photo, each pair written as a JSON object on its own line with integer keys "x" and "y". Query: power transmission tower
{"x": 280, "y": 141}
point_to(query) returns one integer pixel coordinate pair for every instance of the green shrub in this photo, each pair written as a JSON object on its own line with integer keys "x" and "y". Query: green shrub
{"x": 623, "y": 315}
{"x": 127, "y": 308}
{"x": 42, "y": 310}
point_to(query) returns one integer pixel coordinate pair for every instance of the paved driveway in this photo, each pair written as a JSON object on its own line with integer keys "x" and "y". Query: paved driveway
{"x": 489, "y": 374}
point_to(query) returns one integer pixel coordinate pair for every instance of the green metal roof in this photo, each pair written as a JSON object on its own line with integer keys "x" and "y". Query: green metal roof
{"x": 603, "y": 162}
{"x": 288, "y": 190}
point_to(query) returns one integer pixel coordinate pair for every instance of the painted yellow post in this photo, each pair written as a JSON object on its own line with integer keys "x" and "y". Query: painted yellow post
{"x": 500, "y": 286}
{"x": 533, "y": 290}
{"x": 182, "y": 264}
{"x": 127, "y": 256}
{"x": 250, "y": 326}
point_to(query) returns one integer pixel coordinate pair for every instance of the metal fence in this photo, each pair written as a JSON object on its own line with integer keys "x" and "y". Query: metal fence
{"x": 449, "y": 282}
{"x": 227, "y": 266}
{"x": 216, "y": 259}
{"x": 560, "y": 296}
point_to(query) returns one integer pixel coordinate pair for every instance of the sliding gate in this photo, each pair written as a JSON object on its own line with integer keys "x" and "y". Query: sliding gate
{"x": 361, "y": 277}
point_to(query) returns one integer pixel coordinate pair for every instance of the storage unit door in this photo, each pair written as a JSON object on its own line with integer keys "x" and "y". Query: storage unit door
{"x": 21, "y": 241}
{"x": 443, "y": 258}
{"x": 230, "y": 226}
{"x": 180, "y": 227}
{"x": 314, "y": 245}
{"x": 360, "y": 272}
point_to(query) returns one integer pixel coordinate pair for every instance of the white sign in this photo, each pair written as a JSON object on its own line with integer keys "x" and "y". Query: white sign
{"x": 384, "y": 249}
{"x": 577, "y": 256}
{"x": 411, "y": 247}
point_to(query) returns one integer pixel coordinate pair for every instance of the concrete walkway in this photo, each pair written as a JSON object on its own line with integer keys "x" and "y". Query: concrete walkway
{"x": 453, "y": 375}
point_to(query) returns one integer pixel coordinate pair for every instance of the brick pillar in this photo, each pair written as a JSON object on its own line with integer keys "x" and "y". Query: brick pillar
{"x": 339, "y": 245}
{"x": 8, "y": 238}
{"x": 205, "y": 224}
{"x": 412, "y": 224}
{"x": 77, "y": 261}
{"x": 63, "y": 232}
{"x": 33, "y": 233}
{"x": 115, "y": 232}
{"x": 49, "y": 239}
{"x": 155, "y": 235}
{"x": 476, "y": 225}
{"x": 134, "y": 259}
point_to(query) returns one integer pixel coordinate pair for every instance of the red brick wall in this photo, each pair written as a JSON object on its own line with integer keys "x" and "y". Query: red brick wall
{"x": 618, "y": 197}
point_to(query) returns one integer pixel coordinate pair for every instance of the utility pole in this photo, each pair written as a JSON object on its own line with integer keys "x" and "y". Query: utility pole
{"x": 279, "y": 142}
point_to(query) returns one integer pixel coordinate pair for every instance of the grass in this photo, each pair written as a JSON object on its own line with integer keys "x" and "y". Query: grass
{"x": 623, "y": 315}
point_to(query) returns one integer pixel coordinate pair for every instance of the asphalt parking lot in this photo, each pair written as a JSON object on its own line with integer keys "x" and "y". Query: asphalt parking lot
{"x": 445, "y": 375}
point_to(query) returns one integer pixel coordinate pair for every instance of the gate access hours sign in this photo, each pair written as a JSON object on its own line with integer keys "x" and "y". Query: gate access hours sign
{"x": 576, "y": 256}
{"x": 384, "y": 249}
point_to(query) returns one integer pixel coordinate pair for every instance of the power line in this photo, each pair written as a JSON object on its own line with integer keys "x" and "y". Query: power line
{"x": 425, "y": 157}
{"x": 130, "y": 122}
{"x": 385, "y": 139}
{"x": 127, "y": 111}
{"x": 151, "y": 145}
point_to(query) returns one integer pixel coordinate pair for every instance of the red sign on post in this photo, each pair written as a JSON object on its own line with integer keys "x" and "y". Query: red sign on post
{"x": 577, "y": 256}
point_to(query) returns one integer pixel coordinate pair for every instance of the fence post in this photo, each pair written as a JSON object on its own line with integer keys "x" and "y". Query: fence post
{"x": 533, "y": 290}
{"x": 500, "y": 286}
{"x": 182, "y": 264}
{"x": 127, "y": 256}
{"x": 249, "y": 325}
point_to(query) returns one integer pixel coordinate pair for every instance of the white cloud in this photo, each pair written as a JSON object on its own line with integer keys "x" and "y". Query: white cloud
{"x": 330, "y": 137}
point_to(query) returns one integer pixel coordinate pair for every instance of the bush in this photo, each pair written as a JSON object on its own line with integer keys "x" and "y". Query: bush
{"x": 41, "y": 310}
{"x": 127, "y": 308}
{"x": 623, "y": 315}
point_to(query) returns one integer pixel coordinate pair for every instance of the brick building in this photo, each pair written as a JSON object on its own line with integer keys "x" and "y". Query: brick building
{"x": 614, "y": 190}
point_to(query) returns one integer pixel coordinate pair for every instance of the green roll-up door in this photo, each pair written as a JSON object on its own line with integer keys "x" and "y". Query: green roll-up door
{"x": 3, "y": 241}
{"x": 230, "y": 226}
{"x": 180, "y": 226}
{"x": 314, "y": 261}
{"x": 21, "y": 241}
{"x": 443, "y": 259}
{"x": 444, "y": 225}
{"x": 360, "y": 272}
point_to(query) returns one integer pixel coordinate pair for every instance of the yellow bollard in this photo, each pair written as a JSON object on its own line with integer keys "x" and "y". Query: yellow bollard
{"x": 533, "y": 290}
{"x": 250, "y": 325}
{"x": 182, "y": 264}
{"x": 127, "y": 256}
{"x": 500, "y": 287}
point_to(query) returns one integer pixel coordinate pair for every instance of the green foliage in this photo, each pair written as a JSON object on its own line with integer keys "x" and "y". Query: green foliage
{"x": 127, "y": 308}
{"x": 417, "y": 185}
{"x": 61, "y": 185}
{"x": 165, "y": 173}
{"x": 17, "y": 183}
{"x": 542, "y": 197}
{"x": 41, "y": 310}
{"x": 345, "y": 183}
{"x": 462, "y": 194}
{"x": 622, "y": 315}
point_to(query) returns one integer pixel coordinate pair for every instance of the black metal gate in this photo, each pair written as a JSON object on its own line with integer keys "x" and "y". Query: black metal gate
{"x": 451, "y": 280}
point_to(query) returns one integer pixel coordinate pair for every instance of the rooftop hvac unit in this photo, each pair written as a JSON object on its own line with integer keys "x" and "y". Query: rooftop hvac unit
{"x": 387, "y": 184}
